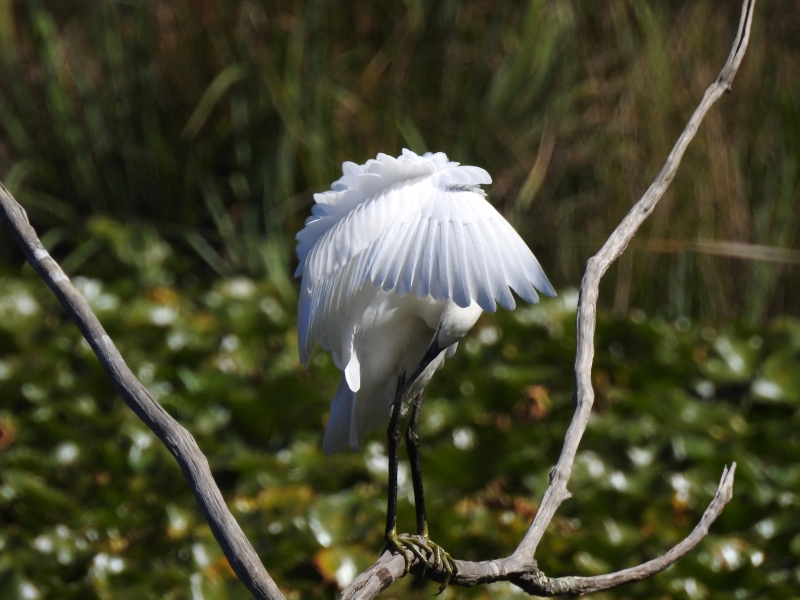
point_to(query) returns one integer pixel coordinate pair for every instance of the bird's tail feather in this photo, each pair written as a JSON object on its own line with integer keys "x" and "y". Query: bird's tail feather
{"x": 372, "y": 409}
{"x": 337, "y": 434}
{"x": 352, "y": 419}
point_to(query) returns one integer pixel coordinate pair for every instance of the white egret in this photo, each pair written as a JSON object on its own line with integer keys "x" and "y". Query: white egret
{"x": 398, "y": 260}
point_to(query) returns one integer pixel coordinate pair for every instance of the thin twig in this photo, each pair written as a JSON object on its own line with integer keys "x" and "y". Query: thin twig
{"x": 240, "y": 554}
{"x": 585, "y": 585}
{"x": 755, "y": 252}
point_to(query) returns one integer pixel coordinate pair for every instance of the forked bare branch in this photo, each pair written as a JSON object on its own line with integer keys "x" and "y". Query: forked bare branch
{"x": 596, "y": 267}
{"x": 520, "y": 568}
{"x": 528, "y": 577}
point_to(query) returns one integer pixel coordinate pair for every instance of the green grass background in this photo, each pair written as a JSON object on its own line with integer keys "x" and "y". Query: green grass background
{"x": 167, "y": 153}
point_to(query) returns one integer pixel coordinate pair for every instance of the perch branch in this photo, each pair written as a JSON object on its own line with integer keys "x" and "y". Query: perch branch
{"x": 240, "y": 554}
{"x": 521, "y": 567}
{"x": 390, "y": 567}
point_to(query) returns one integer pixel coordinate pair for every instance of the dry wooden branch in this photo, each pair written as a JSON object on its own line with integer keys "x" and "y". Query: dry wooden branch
{"x": 240, "y": 554}
{"x": 528, "y": 577}
{"x": 595, "y": 269}
{"x": 520, "y": 568}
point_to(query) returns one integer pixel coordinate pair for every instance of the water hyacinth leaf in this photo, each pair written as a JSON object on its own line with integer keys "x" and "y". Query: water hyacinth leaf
{"x": 778, "y": 379}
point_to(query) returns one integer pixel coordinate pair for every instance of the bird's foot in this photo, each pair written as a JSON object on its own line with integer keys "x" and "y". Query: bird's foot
{"x": 428, "y": 552}
{"x": 408, "y": 546}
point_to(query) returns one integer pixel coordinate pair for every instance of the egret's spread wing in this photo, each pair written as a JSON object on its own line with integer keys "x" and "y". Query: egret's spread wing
{"x": 413, "y": 224}
{"x": 456, "y": 247}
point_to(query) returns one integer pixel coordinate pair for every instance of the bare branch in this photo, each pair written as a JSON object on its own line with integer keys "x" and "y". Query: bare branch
{"x": 528, "y": 577}
{"x": 240, "y": 554}
{"x": 596, "y": 267}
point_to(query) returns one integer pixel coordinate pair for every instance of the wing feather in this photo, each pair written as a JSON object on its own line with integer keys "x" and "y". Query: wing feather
{"x": 422, "y": 275}
{"x": 384, "y": 251}
{"x": 480, "y": 268}
{"x": 460, "y": 290}
{"x": 409, "y": 268}
{"x": 533, "y": 270}
{"x": 515, "y": 275}
{"x": 497, "y": 271}
{"x": 402, "y": 253}
{"x": 441, "y": 278}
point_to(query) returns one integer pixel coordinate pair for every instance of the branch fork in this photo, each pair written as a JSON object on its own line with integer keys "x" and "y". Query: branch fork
{"x": 520, "y": 568}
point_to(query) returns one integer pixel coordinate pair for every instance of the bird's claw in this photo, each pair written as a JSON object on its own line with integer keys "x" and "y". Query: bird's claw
{"x": 442, "y": 558}
{"x": 426, "y": 551}
{"x": 408, "y": 546}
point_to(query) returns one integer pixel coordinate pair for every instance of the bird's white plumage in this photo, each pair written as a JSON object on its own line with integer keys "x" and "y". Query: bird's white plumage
{"x": 400, "y": 236}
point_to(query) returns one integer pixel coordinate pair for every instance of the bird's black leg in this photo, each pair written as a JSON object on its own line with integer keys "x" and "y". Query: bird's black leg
{"x": 440, "y": 557}
{"x": 393, "y": 442}
{"x": 412, "y": 440}
{"x": 404, "y": 544}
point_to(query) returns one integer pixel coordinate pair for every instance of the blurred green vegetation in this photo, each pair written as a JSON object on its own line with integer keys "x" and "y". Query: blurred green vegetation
{"x": 167, "y": 153}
